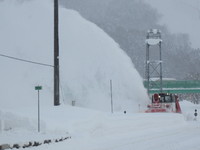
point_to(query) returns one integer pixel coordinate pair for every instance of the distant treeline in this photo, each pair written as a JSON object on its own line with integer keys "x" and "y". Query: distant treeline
{"x": 127, "y": 22}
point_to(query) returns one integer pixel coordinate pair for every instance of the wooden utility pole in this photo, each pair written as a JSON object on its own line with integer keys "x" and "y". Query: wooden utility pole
{"x": 56, "y": 55}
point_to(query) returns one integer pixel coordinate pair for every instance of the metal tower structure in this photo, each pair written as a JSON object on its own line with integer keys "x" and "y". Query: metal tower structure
{"x": 153, "y": 60}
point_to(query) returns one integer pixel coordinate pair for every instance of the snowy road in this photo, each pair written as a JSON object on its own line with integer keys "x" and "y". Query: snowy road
{"x": 94, "y": 130}
{"x": 134, "y": 131}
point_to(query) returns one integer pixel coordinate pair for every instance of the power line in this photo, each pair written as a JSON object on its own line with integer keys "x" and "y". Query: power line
{"x": 24, "y": 60}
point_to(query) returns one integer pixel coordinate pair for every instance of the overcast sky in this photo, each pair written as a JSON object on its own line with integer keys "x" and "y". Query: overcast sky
{"x": 181, "y": 16}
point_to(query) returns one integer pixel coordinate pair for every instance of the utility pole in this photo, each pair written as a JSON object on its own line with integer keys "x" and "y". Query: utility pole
{"x": 56, "y": 55}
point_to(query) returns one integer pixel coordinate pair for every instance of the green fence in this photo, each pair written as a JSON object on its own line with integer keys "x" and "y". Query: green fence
{"x": 174, "y": 86}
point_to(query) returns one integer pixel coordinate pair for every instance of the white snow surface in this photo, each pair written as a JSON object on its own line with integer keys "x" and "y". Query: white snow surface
{"x": 95, "y": 130}
{"x": 89, "y": 59}
{"x": 180, "y": 16}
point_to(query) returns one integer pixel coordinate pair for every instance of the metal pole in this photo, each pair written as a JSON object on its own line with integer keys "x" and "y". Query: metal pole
{"x": 160, "y": 67}
{"x": 56, "y": 55}
{"x": 111, "y": 96}
{"x": 147, "y": 67}
{"x": 38, "y": 110}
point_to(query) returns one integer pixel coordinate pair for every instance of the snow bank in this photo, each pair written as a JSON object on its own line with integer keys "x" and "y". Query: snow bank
{"x": 89, "y": 59}
{"x": 188, "y": 110}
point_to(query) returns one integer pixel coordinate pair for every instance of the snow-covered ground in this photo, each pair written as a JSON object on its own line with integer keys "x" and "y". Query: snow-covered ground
{"x": 89, "y": 60}
{"x": 95, "y": 130}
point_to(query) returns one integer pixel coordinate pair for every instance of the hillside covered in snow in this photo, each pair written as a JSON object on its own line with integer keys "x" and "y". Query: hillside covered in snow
{"x": 127, "y": 22}
{"x": 89, "y": 59}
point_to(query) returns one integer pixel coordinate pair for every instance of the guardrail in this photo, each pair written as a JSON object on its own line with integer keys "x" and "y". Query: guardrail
{"x": 174, "y": 86}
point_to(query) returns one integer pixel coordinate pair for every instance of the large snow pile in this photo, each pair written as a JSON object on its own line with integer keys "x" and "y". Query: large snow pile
{"x": 89, "y": 59}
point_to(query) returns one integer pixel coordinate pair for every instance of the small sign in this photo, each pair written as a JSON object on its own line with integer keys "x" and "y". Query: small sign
{"x": 38, "y": 87}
